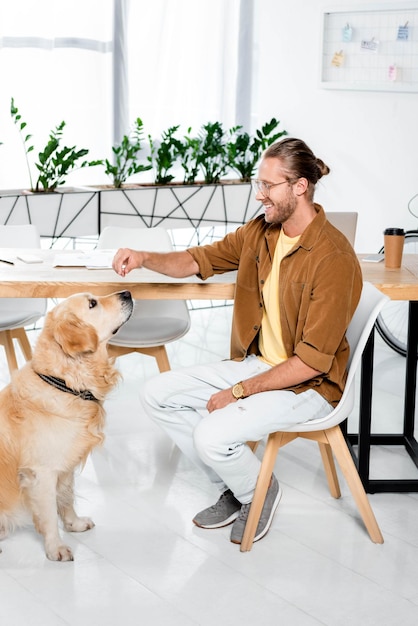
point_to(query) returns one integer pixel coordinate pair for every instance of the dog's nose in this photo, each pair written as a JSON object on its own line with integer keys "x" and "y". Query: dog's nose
{"x": 125, "y": 296}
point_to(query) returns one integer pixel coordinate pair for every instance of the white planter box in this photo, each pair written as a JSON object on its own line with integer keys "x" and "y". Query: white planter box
{"x": 64, "y": 213}
{"x": 178, "y": 206}
{"x": 86, "y": 211}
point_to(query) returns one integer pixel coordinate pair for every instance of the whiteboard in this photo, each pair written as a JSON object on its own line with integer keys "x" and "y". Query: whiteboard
{"x": 374, "y": 48}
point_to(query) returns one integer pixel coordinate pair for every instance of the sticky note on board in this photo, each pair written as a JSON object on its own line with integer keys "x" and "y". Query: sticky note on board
{"x": 392, "y": 72}
{"x": 370, "y": 45}
{"x": 347, "y": 33}
{"x": 403, "y": 33}
{"x": 338, "y": 59}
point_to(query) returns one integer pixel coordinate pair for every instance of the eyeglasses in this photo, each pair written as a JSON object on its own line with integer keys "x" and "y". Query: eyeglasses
{"x": 263, "y": 187}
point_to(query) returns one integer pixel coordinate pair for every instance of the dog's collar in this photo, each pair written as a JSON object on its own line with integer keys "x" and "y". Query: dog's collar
{"x": 58, "y": 383}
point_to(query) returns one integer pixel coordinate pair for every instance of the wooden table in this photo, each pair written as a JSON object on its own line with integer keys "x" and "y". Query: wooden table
{"x": 398, "y": 284}
{"x": 44, "y": 280}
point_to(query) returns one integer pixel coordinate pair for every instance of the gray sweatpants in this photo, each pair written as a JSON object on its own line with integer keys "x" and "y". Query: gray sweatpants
{"x": 216, "y": 442}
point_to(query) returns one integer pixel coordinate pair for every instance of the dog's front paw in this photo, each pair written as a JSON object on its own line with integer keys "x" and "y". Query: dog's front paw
{"x": 60, "y": 553}
{"x": 79, "y": 524}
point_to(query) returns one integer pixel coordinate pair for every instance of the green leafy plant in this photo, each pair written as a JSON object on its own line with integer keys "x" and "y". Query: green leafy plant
{"x": 14, "y": 112}
{"x": 245, "y": 151}
{"x": 164, "y": 155}
{"x": 188, "y": 150}
{"x": 212, "y": 155}
{"x": 54, "y": 163}
{"x": 126, "y": 156}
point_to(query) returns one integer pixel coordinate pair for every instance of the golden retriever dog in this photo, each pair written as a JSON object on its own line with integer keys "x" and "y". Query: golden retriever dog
{"x": 52, "y": 416}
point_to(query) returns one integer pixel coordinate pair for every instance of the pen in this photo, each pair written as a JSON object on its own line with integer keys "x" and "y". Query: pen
{"x": 5, "y": 261}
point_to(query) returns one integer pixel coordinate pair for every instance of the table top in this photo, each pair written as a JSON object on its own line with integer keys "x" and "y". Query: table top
{"x": 43, "y": 280}
{"x": 398, "y": 284}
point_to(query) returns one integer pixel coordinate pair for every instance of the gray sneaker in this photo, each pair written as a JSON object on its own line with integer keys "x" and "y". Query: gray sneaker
{"x": 274, "y": 493}
{"x": 224, "y": 512}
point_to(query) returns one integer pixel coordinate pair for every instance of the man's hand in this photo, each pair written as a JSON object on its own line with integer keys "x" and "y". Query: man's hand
{"x": 178, "y": 264}
{"x": 220, "y": 399}
{"x": 291, "y": 372}
{"x": 126, "y": 260}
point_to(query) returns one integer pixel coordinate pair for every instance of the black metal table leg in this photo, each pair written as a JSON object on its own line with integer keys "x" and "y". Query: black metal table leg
{"x": 365, "y": 439}
{"x": 362, "y": 439}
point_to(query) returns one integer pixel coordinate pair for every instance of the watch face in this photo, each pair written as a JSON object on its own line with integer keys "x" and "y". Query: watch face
{"x": 238, "y": 391}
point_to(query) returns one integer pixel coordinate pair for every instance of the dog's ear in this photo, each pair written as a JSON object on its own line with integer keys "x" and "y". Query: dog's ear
{"x": 75, "y": 336}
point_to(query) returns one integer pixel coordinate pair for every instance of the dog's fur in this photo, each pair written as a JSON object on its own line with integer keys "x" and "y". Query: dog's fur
{"x": 45, "y": 433}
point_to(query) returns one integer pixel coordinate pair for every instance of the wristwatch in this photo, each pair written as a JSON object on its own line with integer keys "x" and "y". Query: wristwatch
{"x": 238, "y": 391}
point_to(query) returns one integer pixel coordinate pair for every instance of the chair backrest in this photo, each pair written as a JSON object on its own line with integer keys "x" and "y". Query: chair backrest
{"x": 20, "y": 312}
{"x": 371, "y": 303}
{"x": 346, "y": 222}
{"x": 149, "y": 239}
{"x": 22, "y": 236}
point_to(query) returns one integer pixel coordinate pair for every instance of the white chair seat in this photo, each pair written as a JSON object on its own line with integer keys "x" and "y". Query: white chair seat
{"x": 20, "y": 312}
{"x": 148, "y": 331}
{"x": 154, "y": 323}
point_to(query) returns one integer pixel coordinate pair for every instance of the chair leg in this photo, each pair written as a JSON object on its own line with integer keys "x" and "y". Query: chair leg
{"x": 161, "y": 356}
{"x": 274, "y": 442}
{"x": 330, "y": 471}
{"x": 6, "y": 339}
{"x": 348, "y": 468}
{"x": 158, "y": 352}
{"x": 21, "y": 336}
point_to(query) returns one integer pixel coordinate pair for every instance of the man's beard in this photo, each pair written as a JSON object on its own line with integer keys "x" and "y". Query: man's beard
{"x": 281, "y": 211}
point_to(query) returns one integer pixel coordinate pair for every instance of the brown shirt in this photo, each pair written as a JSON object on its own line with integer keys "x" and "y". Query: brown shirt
{"x": 320, "y": 286}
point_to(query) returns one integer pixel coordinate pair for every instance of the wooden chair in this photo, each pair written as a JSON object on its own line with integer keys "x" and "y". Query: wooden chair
{"x": 154, "y": 323}
{"x": 326, "y": 431}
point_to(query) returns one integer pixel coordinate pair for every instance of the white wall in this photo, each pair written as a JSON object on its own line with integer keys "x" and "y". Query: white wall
{"x": 369, "y": 139}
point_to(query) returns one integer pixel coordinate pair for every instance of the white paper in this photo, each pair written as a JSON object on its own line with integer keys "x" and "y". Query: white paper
{"x": 95, "y": 259}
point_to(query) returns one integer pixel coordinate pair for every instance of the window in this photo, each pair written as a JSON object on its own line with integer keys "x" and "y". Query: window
{"x": 99, "y": 64}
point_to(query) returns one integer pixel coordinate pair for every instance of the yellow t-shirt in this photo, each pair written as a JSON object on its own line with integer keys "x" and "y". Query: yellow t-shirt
{"x": 270, "y": 340}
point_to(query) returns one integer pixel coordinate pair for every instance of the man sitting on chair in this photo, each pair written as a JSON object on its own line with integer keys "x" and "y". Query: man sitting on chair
{"x": 298, "y": 285}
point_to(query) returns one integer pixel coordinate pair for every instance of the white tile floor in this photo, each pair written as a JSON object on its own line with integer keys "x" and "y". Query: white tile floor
{"x": 145, "y": 563}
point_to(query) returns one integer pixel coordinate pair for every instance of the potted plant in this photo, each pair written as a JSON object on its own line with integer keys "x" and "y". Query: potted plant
{"x": 164, "y": 155}
{"x": 130, "y": 205}
{"x": 54, "y": 163}
{"x": 208, "y": 194}
{"x": 126, "y": 155}
{"x": 205, "y": 154}
{"x": 188, "y": 150}
{"x": 57, "y": 211}
{"x": 244, "y": 151}
{"x": 212, "y": 157}
{"x": 205, "y": 197}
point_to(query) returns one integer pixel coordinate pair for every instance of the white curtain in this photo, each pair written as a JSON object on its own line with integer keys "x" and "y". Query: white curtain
{"x": 100, "y": 64}
{"x": 183, "y": 62}
{"x": 55, "y": 61}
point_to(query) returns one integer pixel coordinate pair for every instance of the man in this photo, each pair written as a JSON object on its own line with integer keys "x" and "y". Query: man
{"x": 298, "y": 285}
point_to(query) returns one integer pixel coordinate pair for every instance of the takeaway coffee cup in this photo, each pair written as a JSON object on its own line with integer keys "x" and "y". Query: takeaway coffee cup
{"x": 394, "y": 241}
